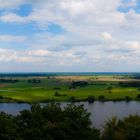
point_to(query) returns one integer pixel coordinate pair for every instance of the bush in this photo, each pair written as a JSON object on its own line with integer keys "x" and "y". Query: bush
{"x": 1, "y": 97}
{"x": 109, "y": 88}
{"x": 118, "y": 99}
{"x": 80, "y": 83}
{"x": 127, "y": 98}
{"x": 138, "y": 96}
{"x": 56, "y": 88}
{"x": 138, "y": 89}
{"x": 101, "y": 98}
{"x": 34, "y": 81}
{"x": 72, "y": 99}
{"x": 72, "y": 87}
{"x": 91, "y": 99}
{"x": 57, "y": 94}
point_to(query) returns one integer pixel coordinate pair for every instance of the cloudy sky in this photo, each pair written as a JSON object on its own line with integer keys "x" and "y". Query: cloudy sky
{"x": 69, "y": 35}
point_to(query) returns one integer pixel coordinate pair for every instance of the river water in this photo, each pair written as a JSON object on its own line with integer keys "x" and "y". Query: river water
{"x": 100, "y": 111}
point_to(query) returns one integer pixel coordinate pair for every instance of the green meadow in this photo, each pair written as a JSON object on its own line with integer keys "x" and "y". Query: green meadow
{"x": 57, "y": 88}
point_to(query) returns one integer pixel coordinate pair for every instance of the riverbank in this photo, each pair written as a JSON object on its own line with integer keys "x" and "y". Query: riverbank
{"x": 69, "y": 101}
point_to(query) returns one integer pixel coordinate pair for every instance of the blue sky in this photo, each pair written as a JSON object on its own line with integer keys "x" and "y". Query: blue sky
{"x": 69, "y": 35}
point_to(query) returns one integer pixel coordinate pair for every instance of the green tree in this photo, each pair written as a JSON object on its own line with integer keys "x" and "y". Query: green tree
{"x": 101, "y": 98}
{"x": 53, "y": 123}
{"x": 126, "y": 129}
{"x": 8, "y": 128}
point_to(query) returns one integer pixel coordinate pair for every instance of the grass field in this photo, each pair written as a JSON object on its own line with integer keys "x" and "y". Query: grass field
{"x": 23, "y": 91}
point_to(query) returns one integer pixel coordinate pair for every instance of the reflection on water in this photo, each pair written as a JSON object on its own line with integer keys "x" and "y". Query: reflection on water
{"x": 99, "y": 111}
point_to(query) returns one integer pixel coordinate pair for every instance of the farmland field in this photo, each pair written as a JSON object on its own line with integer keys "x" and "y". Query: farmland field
{"x": 68, "y": 88}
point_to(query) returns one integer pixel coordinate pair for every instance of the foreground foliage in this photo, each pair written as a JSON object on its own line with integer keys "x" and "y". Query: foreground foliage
{"x": 70, "y": 123}
{"x": 48, "y": 123}
{"x": 126, "y": 129}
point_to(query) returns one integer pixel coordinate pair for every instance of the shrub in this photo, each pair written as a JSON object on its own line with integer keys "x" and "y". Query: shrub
{"x": 127, "y": 98}
{"x": 34, "y": 81}
{"x": 109, "y": 88}
{"x": 79, "y": 83}
{"x": 56, "y": 88}
{"x": 101, "y": 98}
{"x": 91, "y": 99}
{"x": 57, "y": 94}
{"x": 138, "y": 89}
{"x": 1, "y": 97}
{"x": 138, "y": 96}
{"x": 72, "y": 87}
{"x": 72, "y": 99}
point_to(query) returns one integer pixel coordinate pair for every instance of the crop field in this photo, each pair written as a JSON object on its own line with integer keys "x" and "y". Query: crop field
{"x": 68, "y": 88}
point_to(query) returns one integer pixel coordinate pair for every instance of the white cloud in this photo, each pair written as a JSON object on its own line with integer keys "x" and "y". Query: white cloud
{"x": 29, "y": 59}
{"x": 7, "y": 55}
{"x": 39, "y": 52}
{"x": 65, "y": 12}
{"x": 13, "y": 18}
{"x": 94, "y": 27}
{"x": 107, "y": 36}
{"x": 11, "y": 38}
{"x": 10, "y": 3}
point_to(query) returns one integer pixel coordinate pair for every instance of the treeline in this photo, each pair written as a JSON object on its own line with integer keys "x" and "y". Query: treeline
{"x": 51, "y": 122}
{"x": 76, "y": 84}
{"x": 137, "y": 76}
{"x": 129, "y": 84}
{"x": 34, "y": 81}
{"x": 8, "y": 80}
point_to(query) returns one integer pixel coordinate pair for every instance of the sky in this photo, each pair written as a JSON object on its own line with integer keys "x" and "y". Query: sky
{"x": 69, "y": 35}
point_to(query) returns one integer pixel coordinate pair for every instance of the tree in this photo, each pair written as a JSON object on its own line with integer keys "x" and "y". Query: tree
{"x": 127, "y": 98}
{"x": 125, "y": 129}
{"x": 91, "y": 99}
{"x": 138, "y": 96}
{"x": 109, "y": 88}
{"x": 8, "y": 128}
{"x": 72, "y": 99}
{"x": 52, "y": 123}
{"x": 57, "y": 94}
{"x": 101, "y": 98}
{"x": 110, "y": 131}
